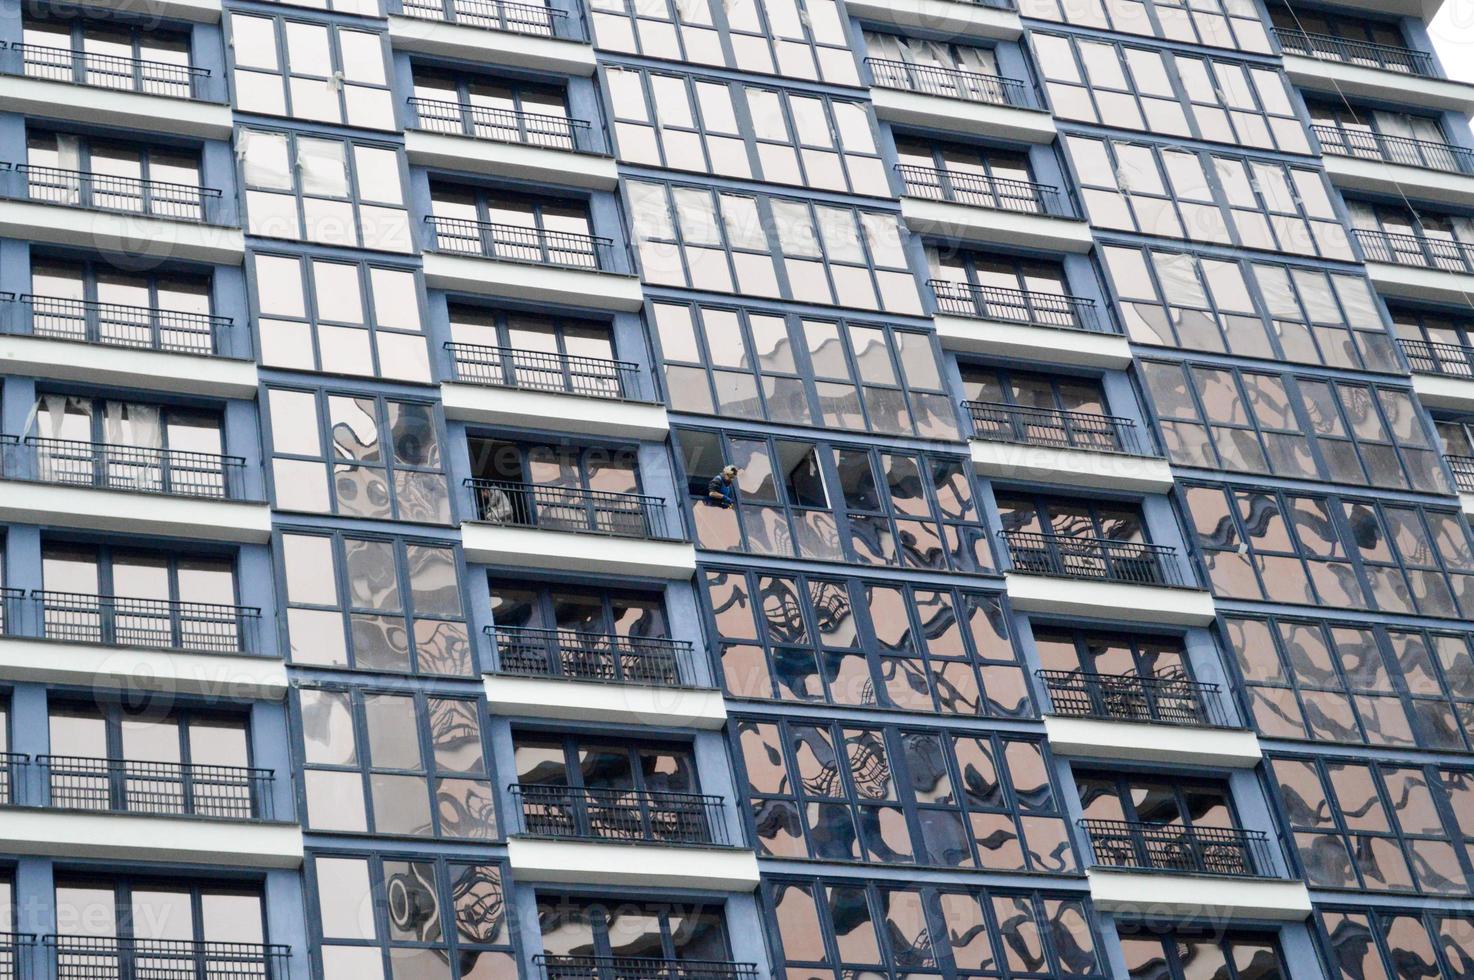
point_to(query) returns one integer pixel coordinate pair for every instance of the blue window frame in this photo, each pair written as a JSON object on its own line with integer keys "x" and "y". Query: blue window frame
{"x": 294, "y": 66}
{"x": 1213, "y": 23}
{"x": 1185, "y": 953}
{"x": 1367, "y": 942}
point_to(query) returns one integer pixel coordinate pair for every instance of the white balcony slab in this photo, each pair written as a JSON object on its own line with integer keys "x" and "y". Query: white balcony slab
{"x": 1028, "y": 342}
{"x": 1420, "y": 183}
{"x": 556, "y": 411}
{"x": 134, "y": 234}
{"x": 1214, "y": 898}
{"x": 1069, "y": 597}
{"x": 1421, "y": 283}
{"x": 1077, "y": 467}
{"x": 1358, "y": 81}
{"x": 950, "y": 17}
{"x": 127, "y": 367}
{"x": 217, "y": 675}
{"x": 514, "y": 161}
{"x": 1439, "y": 391}
{"x": 535, "y": 283}
{"x": 963, "y": 116}
{"x": 138, "y": 837}
{"x": 1096, "y": 738}
{"x": 197, "y": 11}
{"x": 1466, "y": 502}
{"x": 992, "y": 226}
{"x": 486, "y": 47}
{"x": 567, "y": 699}
{"x": 599, "y": 554}
{"x": 120, "y": 511}
{"x": 107, "y": 107}
{"x": 632, "y": 865}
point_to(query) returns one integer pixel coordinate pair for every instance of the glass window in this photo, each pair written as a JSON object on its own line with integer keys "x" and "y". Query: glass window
{"x": 1366, "y": 943}
{"x": 1181, "y": 955}
{"x": 153, "y": 909}
{"x": 316, "y": 72}
{"x": 1214, "y": 23}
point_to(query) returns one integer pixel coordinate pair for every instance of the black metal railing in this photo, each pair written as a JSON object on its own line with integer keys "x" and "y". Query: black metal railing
{"x": 104, "y": 192}
{"x": 506, "y": 126}
{"x": 1130, "y": 562}
{"x": 571, "y": 374}
{"x": 514, "y": 243}
{"x": 1462, "y": 468}
{"x": 1433, "y": 357}
{"x": 199, "y": 627}
{"x": 983, "y": 191}
{"x": 11, "y": 603}
{"x": 17, "y": 956}
{"x": 13, "y": 768}
{"x": 1179, "y": 849}
{"x": 110, "y": 71}
{"x": 649, "y": 660}
{"x": 625, "y": 815}
{"x": 1328, "y": 47}
{"x": 110, "y": 466}
{"x": 1026, "y": 426}
{"x": 1168, "y": 698}
{"x": 950, "y": 83}
{"x": 119, "y": 325}
{"x": 1416, "y": 250}
{"x": 159, "y": 788}
{"x": 536, "y": 19}
{"x": 550, "y": 508}
{"x": 1427, "y": 154}
{"x": 639, "y": 968}
{"x": 1018, "y": 306}
{"x": 112, "y": 958}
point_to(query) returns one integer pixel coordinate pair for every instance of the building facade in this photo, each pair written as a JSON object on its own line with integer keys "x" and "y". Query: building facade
{"x": 1094, "y": 595}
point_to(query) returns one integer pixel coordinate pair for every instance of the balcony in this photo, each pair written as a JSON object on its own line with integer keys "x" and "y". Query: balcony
{"x": 1208, "y": 872}
{"x": 1345, "y": 68}
{"x": 491, "y": 32}
{"x": 501, "y": 143}
{"x": 639, "y": 968}
{"x": 1101, "y": 578}
{"x": 1416, "y": 266}
{"x": 79, "y": 86}
{"x": 1443, "y": 374}
{"x": 514, "y": 262}
{"x": 1462, "y": 468}
{"x": 1015, "y": 442}
{"x": 118, "y": 214}
{"x": 97, "y": 957}
{"x": 1027, "y": 325}
{"x": 547, "y": 390}
{"x": 958, "y": 19}
{"x": 980, "y": 209}
{"x": 129, "y": 346}
{"x": 957, "y": 101}
{"x": 1375, "y": 162}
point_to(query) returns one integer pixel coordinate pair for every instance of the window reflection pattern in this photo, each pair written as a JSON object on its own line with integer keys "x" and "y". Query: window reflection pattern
{"x": 1367, "y": 944}
{"x": 1213, "y": 23}
{"x": 1183, "y": 955}
{"x": 310, "y": 71}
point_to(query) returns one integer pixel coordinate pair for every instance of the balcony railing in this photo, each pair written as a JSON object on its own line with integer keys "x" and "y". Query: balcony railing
{"x": 536, "y": 19}
{"x": 118, "y": 325}
{"x": 535, "y": 370}
{"x": 121, "y": 195}
{"x": 1018, "y": 306}
{"x": 625, "y": 815}
{"x": 550, "y": 508}
{"x": 110, "y": 71}
{"x": 159, "y": 788}
{"x": 11, "y": 602}
{"x": 1416, "y": 250}
{"x": 17, "y": 955}
{"x": 1025, "y": 426}
{"x": 983, "y": 191}
{"x": 1432, "y": 357}
{"x": 639, "y": 968}
{"x": 950, "y": 83}
{"x": 1462, "y": 468}
{"x": 110, "y": 958}
{"x": 1165, "y": 699}
{"x": 505, "y": 126}
{"x": 653, "y": 661}
{"x": 1328, "y": 47}
{"x": 13, "y": 768}
{"x": 1178, "y": 849}
{"x": 514, "y": 243}
{"x": 140, "y": 469}
{"x": 197, "y": 627}
{"x": 1101, "y": 559}
{"x": 1427, "y": 154}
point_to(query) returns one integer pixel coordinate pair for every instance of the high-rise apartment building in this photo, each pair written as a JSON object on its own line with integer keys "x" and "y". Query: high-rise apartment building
{"x": 1094, "y": 595}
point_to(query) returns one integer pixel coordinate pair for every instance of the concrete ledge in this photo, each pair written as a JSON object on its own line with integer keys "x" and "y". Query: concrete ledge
{"x": 491, "y": 47}
{"x": 1421, "y": 282}
{"x": 1380, "y": 177}
{"x": 1078, "y": 467}
{"x": 536, "y": 283}
{"x": 1109, "y": 600}
{"x": 949, "y": 17}
{"x": 576, "y": 414}
{"x": 128, "y": 367}
{"x": 632, "y": 865}
{"x": 219, "y": 675}
{"x": 107, "y": 107}
{"x": 138, "y": 837}
{"x": 1028, "y": 342}
{"x": 624, "y": 704}
{"x": 1211, "y": 897}
{"x": 1439, "y": 391}
{"x": 992, "y": 226}
{"x": 963, "y": 116}
{"x": 510, "y": 160}
{"x": 1096, "y": 738}
{"x": 490, "y": 544}
{"x": 1338, "y": 78}
{"x": 134, "y": 513}
{"x": 134, "y": 234}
